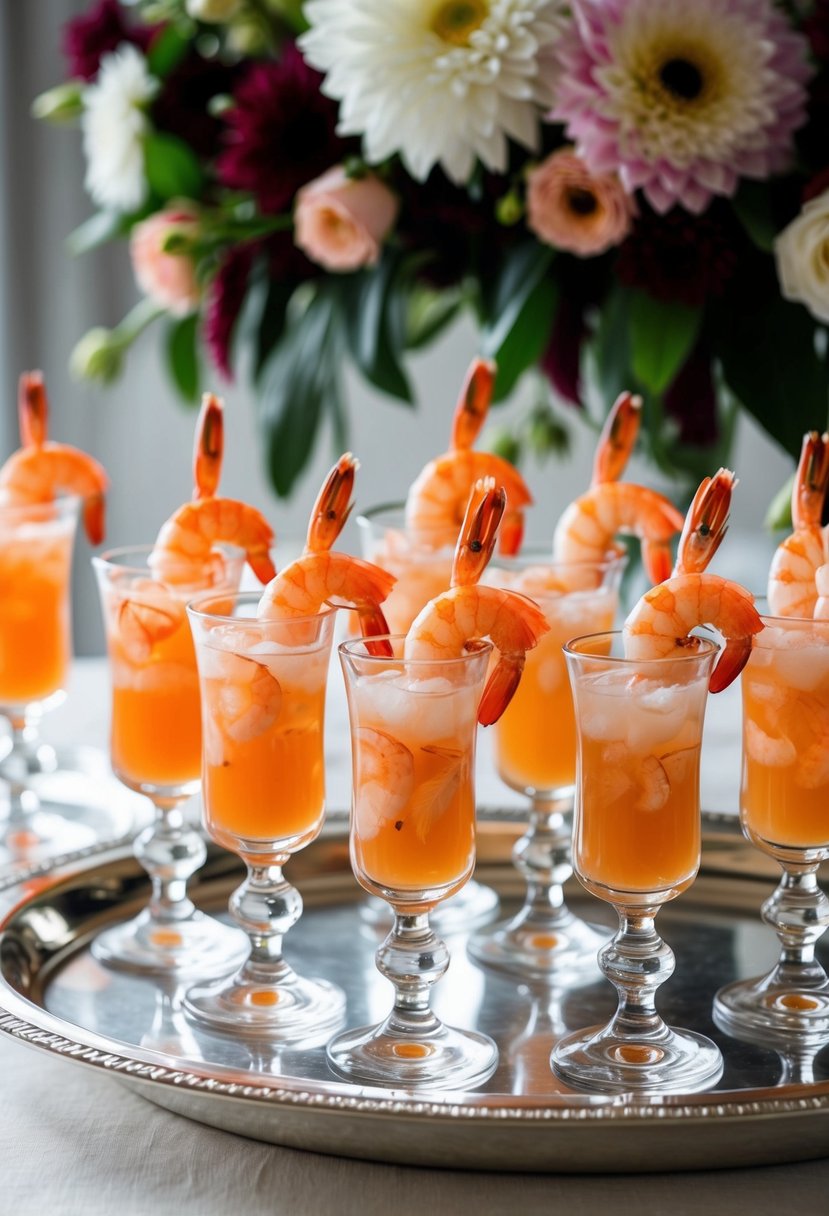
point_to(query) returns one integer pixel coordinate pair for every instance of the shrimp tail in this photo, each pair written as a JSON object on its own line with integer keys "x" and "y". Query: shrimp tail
{"x": 373, "y": 624}
{"x": 657, "y": 559}
{"x": 811, "y": 480}
{"x": 333, "y": 505}
{"x": 209, "y": 447}
{"x": 512, "y": 533}
{"x": 94, "y": 518}
{"x": 473, "y": 403}
{"x": 731, "y": 662}
{"x": 32, "y": 409}
{"x": 500, "y": 688}
{"x": 479, "y": 531}
{"x": 259, "y": 560}
{"x": 706, "y": 523}
{"x": 618, "y": 438}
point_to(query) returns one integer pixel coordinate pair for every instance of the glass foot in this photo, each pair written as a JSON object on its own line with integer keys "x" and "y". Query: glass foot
{"x": 541, "y": 950}
{"x": 196, "y": 943}
{"x": 443, "y": 1058}
{"x": 775, "y": 1009}
{"x": 667, "y": 1061}
{"x": 293, "y": 1010}
{"x": 475, "y": 904}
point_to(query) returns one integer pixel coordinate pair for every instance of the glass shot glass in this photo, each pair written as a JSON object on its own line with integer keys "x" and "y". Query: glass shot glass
{"x": 636, "y": 844}
{"x": 155, "y": 747}
{"x": 784, "y": 811}
{"x": 412, "y": 841}
{"x": 423, "y": 569}
{"x": 263, "y": 689}
{"x": 535, "y": 754}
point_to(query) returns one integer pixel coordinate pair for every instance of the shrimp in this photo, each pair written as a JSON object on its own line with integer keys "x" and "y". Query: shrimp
{"x": 586, "y": 530}
{"x": 148, "y": 616}
{"x": 384, "y": 780}
{"x": 337, "y": 579}
{"x": 248, "y": 698}
{"x": 706, "y": 523}
{"x": 183, "y": 551}
{"x": 32, "y": 409}
{"x": 208, "y": 448}
{"x": 617, "y": 439}
{"x": 36, "y": 474}
{"x": 333, "y": 505}
{"x": 455, "y": 621}
{"x": 438, "y": 496}
{"x": 665, "y": 616}
{"x": 791, "y": 587}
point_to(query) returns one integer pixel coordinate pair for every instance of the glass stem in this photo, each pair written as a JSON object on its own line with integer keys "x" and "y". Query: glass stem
{"x": 170, "y": 851}
{"x": 413, "y": 958}
{"x": 542, "y": 856}
{"x": 266, "y": 906}
{"x": 637, "y": 962}
{"x": 798, "y": 911}
{"x": 24, "y": 758}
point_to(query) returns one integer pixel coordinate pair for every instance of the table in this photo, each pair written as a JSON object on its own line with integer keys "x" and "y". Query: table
{"x": 73, "y": 1143}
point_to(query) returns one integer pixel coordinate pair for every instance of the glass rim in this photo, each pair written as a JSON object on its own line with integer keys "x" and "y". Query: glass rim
{"x": 368, "y": 515}
{"x": 708, "y": 648}
{"x": 787, "y": 622}
{"x": 107, "y": 559}
{"x": 195, "y": 611}
{"x": 60, "y": 502}
{"x": 348, "y": 648}
{"x": 542, "y": 557}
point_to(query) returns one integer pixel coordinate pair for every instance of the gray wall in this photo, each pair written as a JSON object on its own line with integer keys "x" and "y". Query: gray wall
{"x": 137, "y": 428}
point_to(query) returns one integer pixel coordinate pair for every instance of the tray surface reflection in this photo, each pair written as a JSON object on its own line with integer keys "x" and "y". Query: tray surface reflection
{"x": 57, "y": 996}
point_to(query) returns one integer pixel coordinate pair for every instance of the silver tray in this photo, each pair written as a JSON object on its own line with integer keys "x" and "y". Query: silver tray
{"x": 55, "y": 997}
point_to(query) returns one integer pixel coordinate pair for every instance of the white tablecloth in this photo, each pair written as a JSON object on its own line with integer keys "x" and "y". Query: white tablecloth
{"x": 77, "y": 1144}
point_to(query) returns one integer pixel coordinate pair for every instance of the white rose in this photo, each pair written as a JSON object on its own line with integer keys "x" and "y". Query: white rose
{"x": 802, "y": 252}
{"x": 213, "y": 10}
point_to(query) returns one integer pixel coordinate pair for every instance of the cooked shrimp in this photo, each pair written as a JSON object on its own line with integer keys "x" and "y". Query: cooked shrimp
{"x": 32, "y": 409}
{"x": 149, "y": 615}
{"x": 706, "y": 523}
{"x": 384, "y": 779}
{"x": 791, "y": 587}
{"x": 183, "y": 551}
{"x": 248, "y": 700}
{"x": 333, "y": 505}
{"x": 617, "y": 439}
{"x": 437, "y": 498}
{"x": 337, "y": 579}
{"x": 36, "y": 474}
{"x": 665, "y": 616}
{"x": 586, "y": 530}
{"x": 821, "y": 611}
{"x": 208, "y": 448}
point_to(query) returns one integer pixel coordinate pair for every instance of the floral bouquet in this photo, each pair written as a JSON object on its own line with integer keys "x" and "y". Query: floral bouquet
{"x": 625, "y": 193}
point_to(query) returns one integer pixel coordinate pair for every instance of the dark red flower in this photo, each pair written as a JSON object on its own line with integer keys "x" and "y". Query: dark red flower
{"x": 224, "y": 303}
{"x": 816, "y": 185}
{"x": 561, "y": 361}
{"x": 86, "y": 38}
{"x": 816, "y": 29}
{"x": 692, "y": 399}
{"x": 681, "y": 257}
{"x": 182, "y": 105}
{"x": 280, "y": 132}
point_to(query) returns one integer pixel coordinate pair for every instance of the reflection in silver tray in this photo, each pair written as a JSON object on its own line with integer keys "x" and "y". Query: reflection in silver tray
{"x": 764, "y": 1109}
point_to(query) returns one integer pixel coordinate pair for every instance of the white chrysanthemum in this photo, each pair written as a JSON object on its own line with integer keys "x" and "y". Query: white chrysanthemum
{"x": 437, "y": 81}
{"x": 114, "y": 125}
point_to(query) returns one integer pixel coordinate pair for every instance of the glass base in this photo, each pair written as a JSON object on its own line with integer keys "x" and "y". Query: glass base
{"x": 293, "y": 1010}
{"x": 474, "y": 904}
{"x": 775, "y": 1010}
{"x": 196, "y": 943}
{"x": 444, "y": 1058}
{"x": 554, "y": 949}
{"x": 668, "y": 1061}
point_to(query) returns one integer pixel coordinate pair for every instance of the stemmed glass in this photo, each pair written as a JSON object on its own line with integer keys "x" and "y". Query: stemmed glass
{"x": 36, "y": 542}
{"x": 155, "y": 748}
{"x": 783, "y": 810}
{"x": 263, "y": 791}
{"x": 535, "y": 752}
{"x": 636, "y": 844}
{"x": 413, "y": 728}
{"x": 423, "y": 569}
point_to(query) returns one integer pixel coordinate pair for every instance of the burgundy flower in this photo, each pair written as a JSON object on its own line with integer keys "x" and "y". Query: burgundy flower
{"x": 86, "y": 38}
{"x": 692, "y": 399}
{"x": 181, "y": 107}
{"x": 681, "y": 257}
{"x": 280, "y": 132}
{"x": 224, "y": 303}
{"x": 561, "y": 361}
{"x": 816, "y": 29}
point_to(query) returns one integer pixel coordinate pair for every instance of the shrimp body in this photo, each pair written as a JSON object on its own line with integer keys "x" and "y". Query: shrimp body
{"x": 665, "y": 616}
{"x": 453, "y": 622}
{"x": 315, "y": 579}
{"x": 791, "y": 586}
{"x": 437, "y": 499}
{"x": 385, "y": 779}
{"x": 248, "y": 699}
{"x": 37, "y": 473}
{"x": 183, "y": 551}
{"x": 586, "y": 530}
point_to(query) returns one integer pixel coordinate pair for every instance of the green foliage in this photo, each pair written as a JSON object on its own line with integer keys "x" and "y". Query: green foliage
{"x": 374, "y": 319}
{"x": 519, "y": 313}
{"x": 428, "y": 312}
{"x": 173, "y": 169}
{"x": 779, "y": 514}
{"x": 101, "y": 227}
{"x": 661, "y": 337}
{"x": 183, "y": 359}
{"x": 752, "y": 204}
{"x": 167, "y": 49}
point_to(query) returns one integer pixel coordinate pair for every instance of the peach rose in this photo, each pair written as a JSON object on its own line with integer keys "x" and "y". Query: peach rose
{"x": 167, "y": 278}
{"x": 571, "y": 209}
{"x": 341, "y": 222}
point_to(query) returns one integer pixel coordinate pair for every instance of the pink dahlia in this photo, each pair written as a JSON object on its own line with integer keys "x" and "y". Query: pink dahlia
{"x": 681, "y": 99}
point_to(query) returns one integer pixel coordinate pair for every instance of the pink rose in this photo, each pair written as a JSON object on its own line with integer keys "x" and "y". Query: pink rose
{"x": 167, "y": 278}
{"x": 341, "y": 222}
{"x": 572, "y": 209}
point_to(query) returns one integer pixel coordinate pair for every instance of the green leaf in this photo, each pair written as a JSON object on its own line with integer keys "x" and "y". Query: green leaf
{"x": 526, "y": 341}
{"x": 752, "y": 205}
{"x": 779, "y": 513}
{"x": 662, "y": 334}
{"x": 101, "y": 227}
{"x": 167, "y": 49}
{"x": 183, "y": 358}
{"x": 374, "y": 315}
{"x": 172, "y": 168}
{"x": 297, "y": 384}
{"x": 428, "y": 312}
{"x": 523, "y": 269}
{"x": 609, "y": 350}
